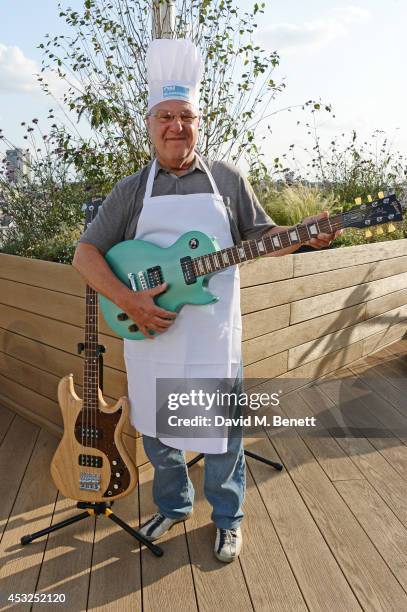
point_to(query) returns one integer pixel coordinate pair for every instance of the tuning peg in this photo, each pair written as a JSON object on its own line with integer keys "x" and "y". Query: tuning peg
{"x": 358, "y": 201}
{"x": 379, "y": 231}
{"x": 390, "y": 228}
{"x": 369, "y": 198}
{"x": 368, "y": 233}
{"x": 380, "y": 195}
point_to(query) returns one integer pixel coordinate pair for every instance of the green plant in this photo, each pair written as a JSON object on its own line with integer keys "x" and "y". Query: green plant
{"x": 103, "y": 64}
{"x": 45, "y": 204}
{"x": 290, "y": 204}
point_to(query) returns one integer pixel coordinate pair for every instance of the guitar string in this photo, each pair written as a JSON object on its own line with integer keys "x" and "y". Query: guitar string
{"x": 327, "y": 225}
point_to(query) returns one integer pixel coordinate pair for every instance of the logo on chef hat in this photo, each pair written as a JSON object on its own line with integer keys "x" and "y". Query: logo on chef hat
{"x": 171, "y": 91}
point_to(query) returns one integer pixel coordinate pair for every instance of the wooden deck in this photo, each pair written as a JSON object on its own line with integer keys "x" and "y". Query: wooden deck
{"x": 328, "y": 533}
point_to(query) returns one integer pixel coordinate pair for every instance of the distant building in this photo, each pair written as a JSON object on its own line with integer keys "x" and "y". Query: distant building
{"x": 17, "y": 164}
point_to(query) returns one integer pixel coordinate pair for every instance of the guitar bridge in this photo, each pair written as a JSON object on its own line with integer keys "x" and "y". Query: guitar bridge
{"x": 89, "y": 482}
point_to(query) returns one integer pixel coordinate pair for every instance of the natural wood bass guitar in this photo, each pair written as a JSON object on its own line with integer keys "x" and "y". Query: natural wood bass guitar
{"x": 91, "y": 462}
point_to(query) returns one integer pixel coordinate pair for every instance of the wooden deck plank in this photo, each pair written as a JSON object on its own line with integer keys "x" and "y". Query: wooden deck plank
{"x": 373, "y": 376}
{"x": 371, "y": 580}
{"x": 333, "y": 291}
{"x": 57, "y": 362}
{"x": 68, "y": 557}
{"x": 331, "y": 457}
{"x": 167, "y": 581}
{"x": 260, "y": 271}
{"x": 116, "y": 559}
{"x": 376, "y": 469}
{"x": 383, "y": 528}
{"x": 307, "y": 372}
{"x": 399, "y": 348}
{"x": 267, "y": 368}
{"x": 302, "y": 333}
{"x": 339, "y": 339}
{"x": 58, "y": 334}
{"x": 41, "y": 273}
{"x": 384, "y": 338}
{"x": 317, "y": 305}
{"x": 379, "y": 414}
{"x": 269, "y": 577}
{"x": 385, "y": 303}
{"x": 219, "y": 586}
{"x": 265, "y": 321}
{"x": 22, "y": 436}
{"x": 321, "y": 581}
{"x": 6, "y": 418}
{"x": 25, "y": 374}
{"x": 318, "y": 261}
{"x": 32, "y": 511}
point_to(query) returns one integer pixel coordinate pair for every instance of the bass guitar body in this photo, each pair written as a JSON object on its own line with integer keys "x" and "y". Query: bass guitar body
{"x": 91, "y": 462}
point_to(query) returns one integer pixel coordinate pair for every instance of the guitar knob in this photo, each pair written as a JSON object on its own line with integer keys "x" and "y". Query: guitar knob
{"x": 122, "y": 316}
{"x": 116, "y": 485}
{"x": 133, "y": 328}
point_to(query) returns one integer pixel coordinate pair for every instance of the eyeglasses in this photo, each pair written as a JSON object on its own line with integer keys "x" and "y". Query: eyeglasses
{"x": 167, "y": 117}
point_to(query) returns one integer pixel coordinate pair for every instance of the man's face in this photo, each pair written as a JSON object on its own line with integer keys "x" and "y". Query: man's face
{"x": 175, "y": 140}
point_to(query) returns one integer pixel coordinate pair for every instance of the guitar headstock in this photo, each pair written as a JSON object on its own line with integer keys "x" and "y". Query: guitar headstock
{"x": 91, "y": 209}
{"x": 385, "y": 209}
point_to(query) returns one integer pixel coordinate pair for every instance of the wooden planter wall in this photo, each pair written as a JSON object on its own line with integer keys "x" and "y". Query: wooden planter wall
{"x": 303, "y": 316}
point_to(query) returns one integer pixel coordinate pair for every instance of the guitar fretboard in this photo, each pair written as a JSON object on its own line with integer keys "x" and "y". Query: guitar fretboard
{"x": 252, "y": 249}
{"x": 91, "y": 367}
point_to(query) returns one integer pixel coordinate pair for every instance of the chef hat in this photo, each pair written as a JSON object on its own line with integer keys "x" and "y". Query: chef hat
{"x": 174, "y": 71}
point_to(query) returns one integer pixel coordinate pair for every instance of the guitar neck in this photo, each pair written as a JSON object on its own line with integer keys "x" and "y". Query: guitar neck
{"x": 91, "y": 365}
{"x": 252, "y": 249}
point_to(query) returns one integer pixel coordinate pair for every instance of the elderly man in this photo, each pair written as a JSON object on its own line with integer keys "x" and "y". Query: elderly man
{"x": 177, "y": 192}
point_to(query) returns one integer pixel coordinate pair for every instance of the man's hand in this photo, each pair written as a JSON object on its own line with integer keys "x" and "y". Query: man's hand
{"x": 141, "y": 308}
{"x": 138, "y": 305}
{"x": 322, "y": 240}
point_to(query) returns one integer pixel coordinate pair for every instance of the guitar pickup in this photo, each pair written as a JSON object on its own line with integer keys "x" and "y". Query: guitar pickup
{"x": 90, "y": 460}
{"x": 155, "y": 276}
{"x": 188, "y": 270}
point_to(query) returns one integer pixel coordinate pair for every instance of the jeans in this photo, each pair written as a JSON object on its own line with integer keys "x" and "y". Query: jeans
{"x": 224, "y": 484}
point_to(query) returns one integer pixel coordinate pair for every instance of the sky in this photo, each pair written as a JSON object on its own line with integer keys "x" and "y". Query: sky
{"x": 348, "y": 54}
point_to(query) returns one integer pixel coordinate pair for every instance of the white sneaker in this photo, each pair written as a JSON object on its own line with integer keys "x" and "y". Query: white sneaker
{"x": 228, "y": 544}
{"x": 159, "y": 524}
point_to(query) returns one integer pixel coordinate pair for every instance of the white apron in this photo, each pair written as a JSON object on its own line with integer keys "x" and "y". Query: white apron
{"x": 204, "y": 341}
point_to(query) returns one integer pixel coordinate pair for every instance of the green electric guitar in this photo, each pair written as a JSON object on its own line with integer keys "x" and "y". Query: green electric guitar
{"x": 188, "y": 264}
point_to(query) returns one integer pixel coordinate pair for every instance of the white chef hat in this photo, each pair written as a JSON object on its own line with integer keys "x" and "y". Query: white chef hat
{"x": 174, "y": 71}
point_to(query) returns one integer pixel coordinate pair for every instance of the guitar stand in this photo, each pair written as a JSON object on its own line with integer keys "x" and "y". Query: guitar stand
{"x": 274, "y": 464}
{"x": 94, "y": 509}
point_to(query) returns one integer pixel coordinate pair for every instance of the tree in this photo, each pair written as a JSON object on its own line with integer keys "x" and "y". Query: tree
{"x": 103, "y": 63}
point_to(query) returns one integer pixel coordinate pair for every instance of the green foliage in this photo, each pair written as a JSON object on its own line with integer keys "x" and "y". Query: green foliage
{"x": 45, "y": 206}
{"x": 289, "y": 205}
{"x": 103, "y": 63}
